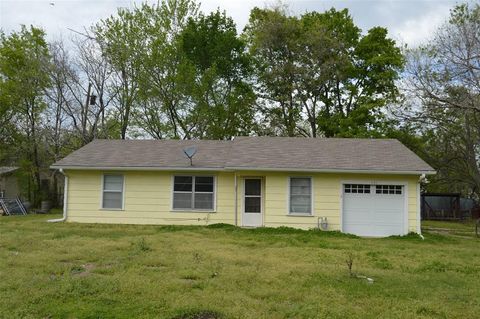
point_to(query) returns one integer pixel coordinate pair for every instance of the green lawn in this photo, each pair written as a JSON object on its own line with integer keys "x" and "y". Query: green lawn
{"x": 464, "y": 228}
{"x": 114, "y": 271}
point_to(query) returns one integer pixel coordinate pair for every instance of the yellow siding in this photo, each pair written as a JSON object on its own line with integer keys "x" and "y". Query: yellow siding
{"x": 148, "y": 198}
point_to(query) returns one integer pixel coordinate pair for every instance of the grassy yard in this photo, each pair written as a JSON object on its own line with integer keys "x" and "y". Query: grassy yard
{"x": 116, "y": 271}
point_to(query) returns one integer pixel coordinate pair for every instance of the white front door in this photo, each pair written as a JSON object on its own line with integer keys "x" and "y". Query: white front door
{"x": 374, "y": 210}
{"x": 252, "y": 202}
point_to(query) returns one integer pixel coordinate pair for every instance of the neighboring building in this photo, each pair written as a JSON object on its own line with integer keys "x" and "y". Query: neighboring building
{"x": 447, "y": 206}
{"x": 368, "y": 187}
{"x": 9, "y": 186}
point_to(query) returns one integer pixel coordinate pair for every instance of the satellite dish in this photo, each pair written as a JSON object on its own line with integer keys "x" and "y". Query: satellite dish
{"x": 190, "y": 152}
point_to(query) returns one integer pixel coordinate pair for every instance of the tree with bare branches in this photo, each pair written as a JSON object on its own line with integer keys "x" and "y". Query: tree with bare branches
{"x": 442, "y": 87}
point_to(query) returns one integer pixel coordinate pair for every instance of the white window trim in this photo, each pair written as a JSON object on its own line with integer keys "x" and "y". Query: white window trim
{"x": 388, "y": 189}
{"x": 193, "y": 210}
{"x": 312, "y": 208}
{"x": 102, "y": 191}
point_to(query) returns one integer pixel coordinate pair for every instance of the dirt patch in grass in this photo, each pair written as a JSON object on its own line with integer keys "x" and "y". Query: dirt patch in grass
{"x": 202, "y": 314}
{"x": 450, "y": 232}
{"x": 83, "y": 270}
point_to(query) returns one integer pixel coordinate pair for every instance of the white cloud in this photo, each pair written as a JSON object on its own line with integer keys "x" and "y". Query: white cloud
{"x": 407, "y": 21}
{"x": 417, "y": 30}
{"x": 56, "y": 19}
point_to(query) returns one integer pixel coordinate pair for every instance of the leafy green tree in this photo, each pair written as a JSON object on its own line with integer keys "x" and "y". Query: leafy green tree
{"x": 24, "y": 60}
{"x": 122, "y": 40}
{"x": 7, "y": 129}
{"x": 166, "y": 77}
{"x": 224, "y": 101}
{"x": 319, "y": 68}
{"x": 272, "y": 39}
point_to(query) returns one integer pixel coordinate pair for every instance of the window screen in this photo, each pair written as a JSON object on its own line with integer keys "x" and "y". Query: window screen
{"x": 253, "y": 195}
{"x": 112, "y": 191}
{"x": 193, "y": 192}
{"x": 300, "y": 195}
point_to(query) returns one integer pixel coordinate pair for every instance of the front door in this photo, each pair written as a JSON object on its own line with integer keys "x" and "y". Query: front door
{"x": 252, "y": 202}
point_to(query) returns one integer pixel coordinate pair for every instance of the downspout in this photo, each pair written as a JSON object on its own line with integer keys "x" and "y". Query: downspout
{"x": 65, "y": 195}
{"x": 419, "y": 218}
{"x": 236, "y": 200}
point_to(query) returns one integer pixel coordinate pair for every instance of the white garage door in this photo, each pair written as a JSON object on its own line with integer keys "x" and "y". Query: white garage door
{"x": 373, "y": 210}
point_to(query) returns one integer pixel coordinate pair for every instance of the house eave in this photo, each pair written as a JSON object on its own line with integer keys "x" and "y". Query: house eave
{"x": 241, "y": 168}
{"x": 136, "y": 168}
{"x": 8, "y": 170}
{"x": 333, "y": 170}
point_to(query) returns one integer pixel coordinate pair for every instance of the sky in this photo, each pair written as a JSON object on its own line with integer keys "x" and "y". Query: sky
{"x": 409, "y": 22}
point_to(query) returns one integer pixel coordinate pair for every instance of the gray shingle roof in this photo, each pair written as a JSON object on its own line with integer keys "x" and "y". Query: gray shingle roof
{"x": 147, "y": 153}
{"x": 282, "y": 153}
{"x": 7, "y": 169}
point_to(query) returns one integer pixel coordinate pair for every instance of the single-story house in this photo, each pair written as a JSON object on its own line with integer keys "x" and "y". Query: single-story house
{"x": 9, "y": 186}
{"x": 368, "y": 187}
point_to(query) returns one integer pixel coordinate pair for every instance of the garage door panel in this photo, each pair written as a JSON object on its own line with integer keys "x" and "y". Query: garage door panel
{"x": 357, "y": 201}
{"x": 359, "y": 229}
{"x": 392, "y": 216}
{"x": 374, "y": 213}
{"x": 392, "y": 222}
{"x": 357, "y": 215}
{"x": 388, "y": 230}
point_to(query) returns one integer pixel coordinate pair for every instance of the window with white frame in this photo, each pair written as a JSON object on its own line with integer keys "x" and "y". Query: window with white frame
{"x": 300, "y": 196}
{"x": 357, "y": 189}
{"x": 193, "y": 192}
{"x": 389, "y": 189}
{"x": 112, "y": 196}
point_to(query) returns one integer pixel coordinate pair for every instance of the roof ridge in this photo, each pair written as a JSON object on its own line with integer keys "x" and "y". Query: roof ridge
{"x": 247, "y": 137}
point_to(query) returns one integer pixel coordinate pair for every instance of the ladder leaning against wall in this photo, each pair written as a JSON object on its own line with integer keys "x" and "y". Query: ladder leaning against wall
{"x": 12, "y": 206}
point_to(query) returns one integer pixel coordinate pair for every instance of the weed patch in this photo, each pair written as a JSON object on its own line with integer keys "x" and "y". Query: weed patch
{"x": 141, "y": 245}
{"x": 199, "y": 314}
